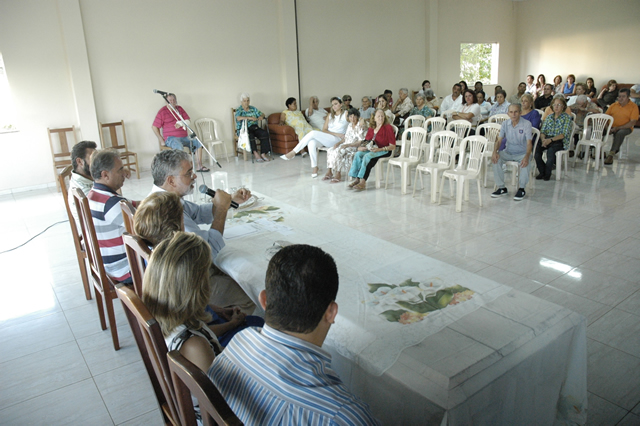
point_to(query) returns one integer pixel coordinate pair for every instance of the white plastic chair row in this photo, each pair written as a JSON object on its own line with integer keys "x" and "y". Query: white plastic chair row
{"x": 444, "y": 142}
{"x": 599, "y": 124}
{"x": 491, "y": 133}
{"x": 378, "y": 168}
{"x": 410, "y": 154}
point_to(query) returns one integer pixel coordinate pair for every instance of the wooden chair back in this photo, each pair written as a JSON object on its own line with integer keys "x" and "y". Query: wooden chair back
{"x": 103, "y": 284}
{"x": 138, "y": 254}
{"x": 76, "y": 233}
{"x": 263, "y": 124}
{"x": 127, "y": 215}
{"x": 153, "y": 350}
{"x": 61, "y": 146}
{"x": 119, "y": 143}
{"x": 189, "y": 380}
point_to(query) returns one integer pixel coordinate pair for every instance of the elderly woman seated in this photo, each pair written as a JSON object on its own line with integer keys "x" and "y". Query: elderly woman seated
{"x": 554, "y": 136}
{"x": 251, "y": 115}
{"x": 382, "y": 142}
{"x": 316, "y": 116}
{"x": 340, "y": 156}
{"x": 431, "y": 100}
{"x": 421, "y": 107}
{"x": 159, "y": 218}
{"x": 403, "y": 105}
{"x": 366, "y": 110}
{"x": 549, "y": 110}
{"x": 501, "y": 106}
{"x": 294, "y": 118}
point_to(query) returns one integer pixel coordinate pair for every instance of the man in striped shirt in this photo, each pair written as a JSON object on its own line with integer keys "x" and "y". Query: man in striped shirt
{"x": 108, "y": 175}
{"x": 280, "y": 375}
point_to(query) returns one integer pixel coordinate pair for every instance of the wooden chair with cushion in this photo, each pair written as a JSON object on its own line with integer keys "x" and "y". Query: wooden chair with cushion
{"x": 129, "y": 158}
{"x": 127, "y": 215}
{"x": 138, "y": 254}
{"x": 283, "y": 137}
{"x": 104, "y": 286}
{"x": 60, "y": 148}
{"x": 189, "y": 380}
{"x": 78, "y": 242}
{"x": 153, "y": 350}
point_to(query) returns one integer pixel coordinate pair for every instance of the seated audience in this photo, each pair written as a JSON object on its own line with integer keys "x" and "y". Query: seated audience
{"x": 469, "y": 110}
{"x": 540, "y": 83}
{"x": 252, "y": 116}
{"x": 485, "y": 106}
{"x": 425, "y": 86}
{"x": 592, "y": 92}
{"x": 569, "y": 88}
{"x": 501, "y": 106}
{"x": 421, "y": 107}
{"x": 402, "y": 106}
{"x": 176, "y": 290}
{"x": 580, "y": 89}
{"x": 108, "y": 175}
{"x": 478, "y": 87}
{"x": 335, "y": 126}
{"x": 294, "y": 118}
{"x": 517, "y": 134}
{"x": 549, "y": 110}
{"x": 515, "y": 99}
{"x": 463, "y": 87}
{"x": 492, "y": 99}
{"x": 340, "y": 156}
{"x": 554, "y": 136}
{"x": 557, "y": 85}
{"x": 382, "y": 135}
{"x": 384, "y": 106}
{"x": 172, "y": 171}
{"x": 81, "y": 174}
{"x": 281, "y": 374}
{"x": 346, "y": 102}
{"x": 544, "y": 100}
{"x": 635, "y": 93}
{"x": 528, "y": 113}
{"x": 608, "y": 95}
{"x": 531, "y": 86}
{"x": 366, "y": 110}
{"x": 453, "y": 101}
{"x": 430, "y": 99}
{"x": 625, "y": 116}
{"x": 159, "y": 217}
{"x": 316, "y": 116}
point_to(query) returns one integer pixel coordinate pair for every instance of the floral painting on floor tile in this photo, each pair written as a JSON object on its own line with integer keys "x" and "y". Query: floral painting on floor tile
{"x": 410, "y": 301}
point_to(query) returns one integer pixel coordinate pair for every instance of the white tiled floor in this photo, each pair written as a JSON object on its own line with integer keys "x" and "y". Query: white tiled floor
{"x": 575, "y": 242}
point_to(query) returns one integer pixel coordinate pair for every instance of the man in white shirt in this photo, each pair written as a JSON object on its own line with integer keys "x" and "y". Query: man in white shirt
{"x": 81, "y": 174}
{"x": 531, "y": 86}
{"x": 452, "y": 102}
{"x": 581, "y": 89}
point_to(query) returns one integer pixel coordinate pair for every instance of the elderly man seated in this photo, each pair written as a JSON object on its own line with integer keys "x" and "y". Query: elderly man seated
{"x": 280, "y": 374}
{"x": 518, "y": 134}
{"x": 625, "y": 115}
{"x": 403, "y": 106}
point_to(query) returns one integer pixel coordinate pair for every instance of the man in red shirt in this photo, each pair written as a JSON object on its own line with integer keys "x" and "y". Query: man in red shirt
{"x": 625, "y": 114}
{"x": 174, "y": 133}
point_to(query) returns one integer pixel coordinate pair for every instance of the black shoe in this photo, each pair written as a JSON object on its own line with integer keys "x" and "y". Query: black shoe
{"x": 581, "y": 155}
{"x": 540, "y": 176}
{"x": 520, "y": 194}
{"x": 571, "y": 154}
{"x": 547, "y": 178}
{"x": 497, "y": 193}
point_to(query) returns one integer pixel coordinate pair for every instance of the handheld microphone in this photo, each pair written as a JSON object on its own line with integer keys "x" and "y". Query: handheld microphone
{"x": 211, "y": 193}
{"x": 161, "y": 92}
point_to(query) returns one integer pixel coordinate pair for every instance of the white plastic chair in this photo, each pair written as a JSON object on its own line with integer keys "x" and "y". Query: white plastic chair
{"x": 414, "y": 121}
{"x": 444, "y": 142}
{"x": 462, "y": 129}
{"x": 378, "y": 168}
{"x": 624, "y": 149}
{"x": 515, "y": 165}
{"x": 491, "y": 133}
{"x": 462, "y": 174}
{"x": 207, "y": 129}
{"x": 437, "y": 124}
{"x": 410, "y": 154}
{"x": 600, "y": 125}
{"x": 498, "y": 118}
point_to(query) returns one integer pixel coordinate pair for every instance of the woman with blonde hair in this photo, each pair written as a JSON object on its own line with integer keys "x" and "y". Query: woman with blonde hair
{"x": 335, "y": 126}
{"x": 158, "y": 217}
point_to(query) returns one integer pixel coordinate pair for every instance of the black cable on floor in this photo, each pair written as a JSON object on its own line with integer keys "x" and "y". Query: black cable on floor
{"x": 37, "y": 235}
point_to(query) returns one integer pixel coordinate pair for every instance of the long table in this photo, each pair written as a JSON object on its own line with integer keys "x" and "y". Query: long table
{"x": 421, "y": 341}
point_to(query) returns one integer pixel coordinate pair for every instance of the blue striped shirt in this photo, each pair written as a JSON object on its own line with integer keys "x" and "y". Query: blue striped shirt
{"x": 273, "y": 378}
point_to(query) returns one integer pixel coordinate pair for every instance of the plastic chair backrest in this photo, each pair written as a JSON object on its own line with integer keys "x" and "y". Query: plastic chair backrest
{"x": 207, "y": 129}
{"x": 477, "y": 145}
{"x": 600, "y": 126}
{"x": 395, "y": 130}
{"x": 153, "y": 350}
{"x": 413, "y": 121}
{"x": 461, "y": 127}
{"x": 437, "y": 124}
{"x": 498, "y": 118}
{"x": 412, "y": 137}
{"x": 491, "y": 133}
{"x": 189, "y": 380}
{"x": 138, "y": 254}
{"x": 447, "y": 141}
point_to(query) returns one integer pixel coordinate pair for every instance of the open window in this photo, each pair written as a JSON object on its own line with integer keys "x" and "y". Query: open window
{"x": 479, "y": 62}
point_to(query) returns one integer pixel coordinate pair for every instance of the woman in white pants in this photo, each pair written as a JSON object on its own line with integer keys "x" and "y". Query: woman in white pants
{"x": 335, "y": 126}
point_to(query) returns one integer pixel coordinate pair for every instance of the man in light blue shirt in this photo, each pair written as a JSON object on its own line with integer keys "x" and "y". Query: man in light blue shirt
{"x": 280, "y": 375}
{"x": 518, "y": 133}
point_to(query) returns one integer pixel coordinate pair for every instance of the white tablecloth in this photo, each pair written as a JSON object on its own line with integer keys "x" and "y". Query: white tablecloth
{"x": 498, "y": 355}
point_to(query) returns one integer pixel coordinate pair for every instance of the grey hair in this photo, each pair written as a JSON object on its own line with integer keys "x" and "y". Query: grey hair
{"x": 167, "y": 163}
{"x": 582, "y": 99}
{"x": 103, "y": 161}
{"x": 558, "y": 95}
{"x": 516, "y": 104}
{"x": 420, "y": 95}
{"x": 244, "y": 96}
{"x": 429, "y": 93}
{"x": 368, "y": 98}
{"x": 405, "y": 90}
